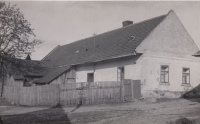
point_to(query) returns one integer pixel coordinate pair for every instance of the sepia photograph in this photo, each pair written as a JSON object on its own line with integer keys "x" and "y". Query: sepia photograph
{"x": 99, "y": 62}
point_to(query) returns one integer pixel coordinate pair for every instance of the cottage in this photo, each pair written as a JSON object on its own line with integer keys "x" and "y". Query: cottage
{"x": 157, "y": 51}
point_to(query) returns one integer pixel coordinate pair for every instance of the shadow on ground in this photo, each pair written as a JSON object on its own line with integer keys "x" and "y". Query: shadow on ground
{"x": 193, "y": 95}
{"x": 193, "y": 99}
{"x": 78, "y": 106}
{"x": 183, "y": 120}
{"x": 54, "y": 115}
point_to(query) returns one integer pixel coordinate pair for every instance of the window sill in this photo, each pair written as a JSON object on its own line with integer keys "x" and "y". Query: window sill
{"x": 188, "y": 85}
{"x": 164, "y": 83}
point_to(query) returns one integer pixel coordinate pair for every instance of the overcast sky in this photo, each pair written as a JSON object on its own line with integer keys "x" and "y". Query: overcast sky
{"x": 59, "y": 23}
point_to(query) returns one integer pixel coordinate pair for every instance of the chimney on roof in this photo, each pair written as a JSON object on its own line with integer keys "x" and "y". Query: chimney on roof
{"x": 127, "y": 23}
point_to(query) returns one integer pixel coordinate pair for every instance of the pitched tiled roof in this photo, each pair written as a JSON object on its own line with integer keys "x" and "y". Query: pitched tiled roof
{"x": 21, "y": 68}
{"x": 112, "y": 44}
{"x": 52, "y": 74}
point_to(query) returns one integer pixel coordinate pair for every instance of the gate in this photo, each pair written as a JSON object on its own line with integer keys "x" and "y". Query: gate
{"x": 127, "y": 90}
{"x": 132, "y": 89}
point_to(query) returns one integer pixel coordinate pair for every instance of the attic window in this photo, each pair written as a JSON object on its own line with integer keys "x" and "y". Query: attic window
{"x": 77, "y": 51}
{"x": 132, "y": 37}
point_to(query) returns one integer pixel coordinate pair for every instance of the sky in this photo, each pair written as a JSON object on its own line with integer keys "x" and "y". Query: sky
{"x": 59, "y": 23}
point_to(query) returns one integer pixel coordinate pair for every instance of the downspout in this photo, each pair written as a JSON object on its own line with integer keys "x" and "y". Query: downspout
{"x": 93, "y": 71}
{"x": 94, "y": 53}
{"x": 94, "y": 67}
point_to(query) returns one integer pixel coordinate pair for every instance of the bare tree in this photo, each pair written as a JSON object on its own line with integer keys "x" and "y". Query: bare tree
{"x": 17, "y": 38}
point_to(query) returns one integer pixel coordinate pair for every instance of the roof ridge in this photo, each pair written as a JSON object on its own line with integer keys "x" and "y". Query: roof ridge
{"x": 114, "y": 30}
{"x": 17, "y": 59}
{"x": 143, "y": 21}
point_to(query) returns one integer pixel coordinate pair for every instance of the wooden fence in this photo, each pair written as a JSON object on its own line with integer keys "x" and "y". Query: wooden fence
{"x": 92, "y": 93}
{"x": 33, "y": 96}
{"x": 68, "y": 94}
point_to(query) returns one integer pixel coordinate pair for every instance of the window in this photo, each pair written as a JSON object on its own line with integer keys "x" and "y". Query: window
{"x": 120, "y": 73}
{"x": 164, "y": 74}
{"x": 90, "y": 77}
{"x": 71, "y": 80}
{"x": 186, "y": 76}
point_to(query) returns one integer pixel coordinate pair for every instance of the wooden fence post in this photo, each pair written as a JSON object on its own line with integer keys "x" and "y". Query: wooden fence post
{"x": 122, "y": 86}
{"x": 59, "y": 90}
{"x": 121, "y": 94}
{"x": 132, "y": 92}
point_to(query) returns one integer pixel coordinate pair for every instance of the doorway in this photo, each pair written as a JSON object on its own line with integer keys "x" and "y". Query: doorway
{"x": 90, "y": 77}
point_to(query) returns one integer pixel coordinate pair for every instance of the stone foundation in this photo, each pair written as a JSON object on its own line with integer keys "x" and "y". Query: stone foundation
{"x": 162, "y": 94}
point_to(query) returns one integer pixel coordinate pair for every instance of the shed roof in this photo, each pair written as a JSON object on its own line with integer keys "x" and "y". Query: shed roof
{"x": 52, "y": 74}
{"x": 18, "y": 77}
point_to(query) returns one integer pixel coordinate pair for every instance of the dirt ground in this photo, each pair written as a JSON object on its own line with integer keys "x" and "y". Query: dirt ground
{"x": 163, "y": 111}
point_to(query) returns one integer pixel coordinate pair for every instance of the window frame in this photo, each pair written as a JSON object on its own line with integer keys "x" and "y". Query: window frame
{"x": 120, "y": 78}
{"x": 164, "y": 76}
{"x": 185, "y": 76}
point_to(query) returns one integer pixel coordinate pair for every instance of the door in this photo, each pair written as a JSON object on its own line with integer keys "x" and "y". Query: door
{"x": 132, "y": 89}
{"x": 127, "y": 90}
{"x": 136, "y": 89}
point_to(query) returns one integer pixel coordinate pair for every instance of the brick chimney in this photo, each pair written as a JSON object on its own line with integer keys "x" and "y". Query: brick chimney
{"x": 127, "y": 23}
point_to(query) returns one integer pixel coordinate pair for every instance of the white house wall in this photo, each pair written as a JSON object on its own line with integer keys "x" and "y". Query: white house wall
{"x": 147, "y": 69}
{"x": 150, "y": 77}
{"x": 107, "y": 70}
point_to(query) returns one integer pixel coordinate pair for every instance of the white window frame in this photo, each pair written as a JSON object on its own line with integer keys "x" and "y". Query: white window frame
{"x": 186, "y": 75}
{"x": 166, "y": 72}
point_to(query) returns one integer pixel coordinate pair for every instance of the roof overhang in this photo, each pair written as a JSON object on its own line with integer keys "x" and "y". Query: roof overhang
{"x": 197, "y": 54}
{"x": 116, "y": 57}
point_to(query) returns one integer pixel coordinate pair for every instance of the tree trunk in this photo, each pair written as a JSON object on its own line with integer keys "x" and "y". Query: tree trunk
{"x": 2, "y": 81}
